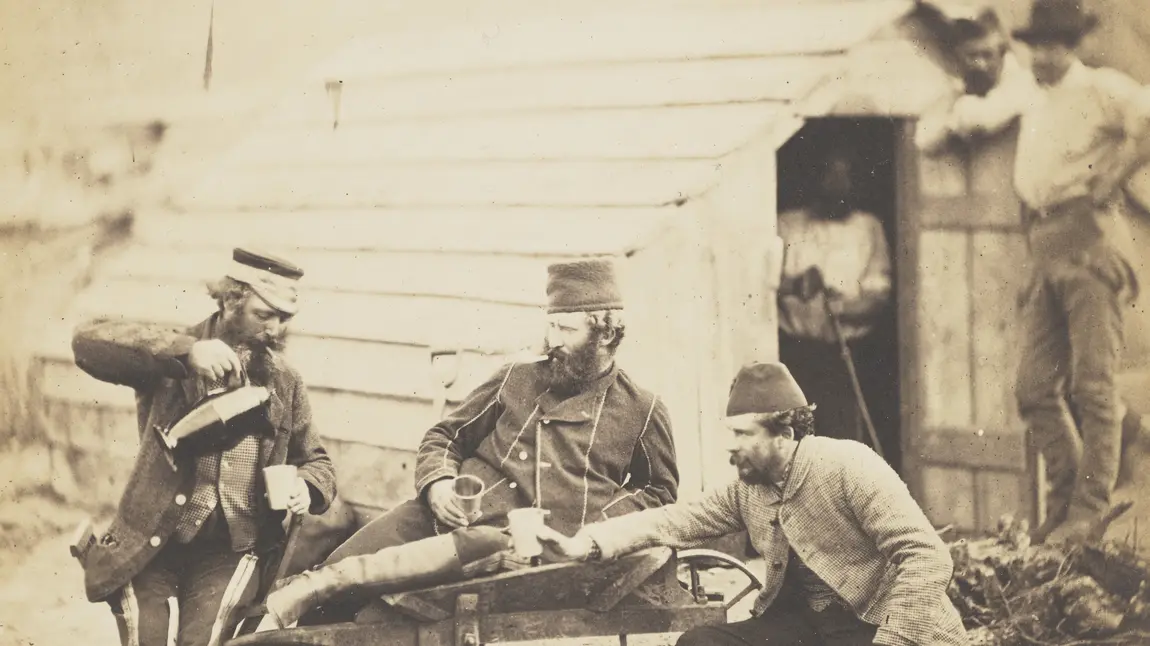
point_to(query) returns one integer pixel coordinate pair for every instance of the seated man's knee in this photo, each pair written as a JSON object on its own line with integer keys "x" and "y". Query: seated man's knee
{"x": 408, "y": 522}
{"x": 475, "y": 543}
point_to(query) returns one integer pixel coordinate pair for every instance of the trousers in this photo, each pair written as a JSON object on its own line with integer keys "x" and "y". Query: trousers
{"x": 197, "y": 576}
{"x": 1071, "y": 350}
{"x": 787, "y": 624}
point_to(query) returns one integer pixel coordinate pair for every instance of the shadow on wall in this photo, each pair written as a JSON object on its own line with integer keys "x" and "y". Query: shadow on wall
{"x": 58, "y": 177}
{"x": 69, "y": 196}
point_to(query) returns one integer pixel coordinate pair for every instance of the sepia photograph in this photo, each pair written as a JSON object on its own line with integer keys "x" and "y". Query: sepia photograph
{"x": 575, "y": 323}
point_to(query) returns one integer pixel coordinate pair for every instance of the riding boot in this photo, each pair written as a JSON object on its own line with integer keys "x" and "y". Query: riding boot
{"x": 418, "y": 564}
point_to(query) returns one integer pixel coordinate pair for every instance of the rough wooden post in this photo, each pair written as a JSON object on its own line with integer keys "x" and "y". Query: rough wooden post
{"x": 739, "y": 220}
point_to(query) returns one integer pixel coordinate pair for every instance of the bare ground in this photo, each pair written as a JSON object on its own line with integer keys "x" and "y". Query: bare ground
{"x": 42, "y": 600}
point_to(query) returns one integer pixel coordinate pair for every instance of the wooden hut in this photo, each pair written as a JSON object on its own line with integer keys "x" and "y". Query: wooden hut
{"x": 425, "y": 182}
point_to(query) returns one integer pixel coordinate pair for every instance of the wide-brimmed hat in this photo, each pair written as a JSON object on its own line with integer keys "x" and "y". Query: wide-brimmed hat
{"x": 760, "y": 392}
{"x": 1056, "y": 20}
{"x": 582, "y": 286}
{"x": 272, "y": 278}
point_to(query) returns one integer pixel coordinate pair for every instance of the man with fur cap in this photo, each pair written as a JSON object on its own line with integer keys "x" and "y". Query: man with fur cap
{"x": 573, "y": 434}
{"x": 1076, "y": 150}
{"x": 851, "y": 558}
{"x": 184, "y": 548}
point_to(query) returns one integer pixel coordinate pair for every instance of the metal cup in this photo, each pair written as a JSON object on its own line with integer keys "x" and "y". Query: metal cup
{"x": 469, "y": 492}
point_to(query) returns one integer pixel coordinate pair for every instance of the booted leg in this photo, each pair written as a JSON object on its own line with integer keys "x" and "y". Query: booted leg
{"x": 1040, "y": 389}
{"x": 418, "y": 564}
{"x": 1132, "y": 449}
{"x": 1094, "y": 315}
{"x": 410, "y": 521}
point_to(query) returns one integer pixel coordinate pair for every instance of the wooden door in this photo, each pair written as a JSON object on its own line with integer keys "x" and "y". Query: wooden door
{"x": 963, "y": 260}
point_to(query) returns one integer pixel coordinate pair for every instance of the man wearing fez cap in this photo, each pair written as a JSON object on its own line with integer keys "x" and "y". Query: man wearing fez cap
{"x": 572, "y": 434}
{"x": 851, "y": 558}
{"x": 1077, "y": 148}
{"x": 193, "y": 526}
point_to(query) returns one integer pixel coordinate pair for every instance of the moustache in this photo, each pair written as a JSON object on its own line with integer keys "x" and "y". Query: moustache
{"x": 276, "y": 342}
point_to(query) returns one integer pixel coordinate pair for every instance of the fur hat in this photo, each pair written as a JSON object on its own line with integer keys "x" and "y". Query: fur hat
{"x": 759, "y": 392}
{"x": 272, "y": 278}
{"x": 582, "y": 286}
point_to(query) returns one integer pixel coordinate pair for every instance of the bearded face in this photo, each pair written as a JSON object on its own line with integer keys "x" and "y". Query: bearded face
{"x": 577, "y": 351}
{"x": 572, "y": 368}
{"x": 981, "y": 61}
{"x": 759, "y": 456}
{"x": 255, "y": 330}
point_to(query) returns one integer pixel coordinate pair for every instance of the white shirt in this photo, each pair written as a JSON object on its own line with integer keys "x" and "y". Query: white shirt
{"x": 962, "y": 114}
{"x": 1072, "y": 130}
{"x": 852, "y": 254}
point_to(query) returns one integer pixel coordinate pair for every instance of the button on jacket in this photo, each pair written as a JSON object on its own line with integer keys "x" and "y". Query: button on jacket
{"x": 850, "y": 519}
{"x": 151, "y": 359}
{"x": 598, "y": 454}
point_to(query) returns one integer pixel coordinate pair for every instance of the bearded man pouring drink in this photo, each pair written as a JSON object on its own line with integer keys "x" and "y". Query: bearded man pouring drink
{"x": 572, "y": 434}
{"x": 192, "y": 530}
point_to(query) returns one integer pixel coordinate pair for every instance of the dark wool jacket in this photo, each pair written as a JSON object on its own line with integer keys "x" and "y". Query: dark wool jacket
{"x": 152, "y": 360}
{"x": 605, "y": 452}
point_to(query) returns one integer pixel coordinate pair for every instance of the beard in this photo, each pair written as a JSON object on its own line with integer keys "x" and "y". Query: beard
{"x": 258, "y": 361}
{"x": 979, "y": 83}
{"x": 751, "y": 474}
{"x": 255, "y": 351}
{"x": 574, "y": 371}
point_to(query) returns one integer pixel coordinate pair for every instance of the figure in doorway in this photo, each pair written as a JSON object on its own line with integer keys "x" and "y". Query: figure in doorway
{"x": 848, "y": 248}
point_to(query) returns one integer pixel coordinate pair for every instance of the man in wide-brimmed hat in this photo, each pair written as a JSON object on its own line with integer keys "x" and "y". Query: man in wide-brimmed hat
{"x": 193, "y": 525}
{"x": 851, "y": 558}
{"x": 1077, "y": 148}
{"x": 572, "y": 434}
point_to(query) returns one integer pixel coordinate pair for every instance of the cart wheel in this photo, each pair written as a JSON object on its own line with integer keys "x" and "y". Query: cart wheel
{"x": 697, "y": 557}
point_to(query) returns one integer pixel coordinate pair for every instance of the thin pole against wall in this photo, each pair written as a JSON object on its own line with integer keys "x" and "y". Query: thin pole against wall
{"x": 209, "y": 48}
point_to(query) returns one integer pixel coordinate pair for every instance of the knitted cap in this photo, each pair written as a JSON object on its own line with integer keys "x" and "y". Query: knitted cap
{"x": 582, "y": 286}
{"x": 764, "y": 388}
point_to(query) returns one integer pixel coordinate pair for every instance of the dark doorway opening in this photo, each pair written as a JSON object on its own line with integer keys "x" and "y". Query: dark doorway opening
{"x": 872, "y": 144}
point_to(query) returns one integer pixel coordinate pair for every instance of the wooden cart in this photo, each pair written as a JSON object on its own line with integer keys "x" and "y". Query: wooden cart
{"x": 636, "y": 594}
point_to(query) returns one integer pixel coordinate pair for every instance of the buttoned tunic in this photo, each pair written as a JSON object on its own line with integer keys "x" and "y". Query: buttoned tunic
{"x": 847, "y": 515}
{"x": 601, "y": 453}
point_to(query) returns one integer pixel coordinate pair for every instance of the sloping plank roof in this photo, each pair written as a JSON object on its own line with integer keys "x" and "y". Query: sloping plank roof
{"x": 770, "y": 30}
{"x": 618, "y": 109}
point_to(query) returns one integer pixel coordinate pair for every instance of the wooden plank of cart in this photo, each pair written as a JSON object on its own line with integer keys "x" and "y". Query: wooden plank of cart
{"x": 635, "y": 594}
